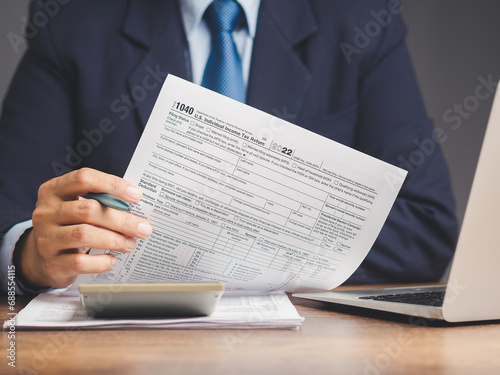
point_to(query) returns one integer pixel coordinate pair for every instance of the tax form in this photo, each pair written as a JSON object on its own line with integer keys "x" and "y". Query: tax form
{"x": 242, "y": 197}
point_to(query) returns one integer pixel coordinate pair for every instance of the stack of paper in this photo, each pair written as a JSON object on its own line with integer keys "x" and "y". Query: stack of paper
{"x": 57, "y": 310}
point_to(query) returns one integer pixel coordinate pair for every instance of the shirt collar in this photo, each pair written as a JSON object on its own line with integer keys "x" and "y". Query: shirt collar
{"x": 193, "y": 10}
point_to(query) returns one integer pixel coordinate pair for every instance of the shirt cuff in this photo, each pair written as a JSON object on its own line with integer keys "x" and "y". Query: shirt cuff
{"x": 7, "y": 245}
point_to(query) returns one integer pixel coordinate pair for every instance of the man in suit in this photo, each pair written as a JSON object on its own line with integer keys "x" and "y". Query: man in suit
{"x": 84, "y": 90}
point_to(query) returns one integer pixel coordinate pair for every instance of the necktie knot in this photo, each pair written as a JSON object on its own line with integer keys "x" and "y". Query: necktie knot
{"x": 223, "y": 15}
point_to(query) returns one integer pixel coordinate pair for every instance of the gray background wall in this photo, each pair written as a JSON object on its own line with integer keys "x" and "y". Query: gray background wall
{"x": 453, "y": 44}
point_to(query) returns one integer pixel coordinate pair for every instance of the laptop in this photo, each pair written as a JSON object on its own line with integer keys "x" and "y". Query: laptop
{"x": 471, "y": 292}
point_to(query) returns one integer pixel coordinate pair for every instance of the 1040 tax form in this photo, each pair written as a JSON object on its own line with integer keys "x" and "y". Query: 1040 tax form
{"x": 242, "y": 197}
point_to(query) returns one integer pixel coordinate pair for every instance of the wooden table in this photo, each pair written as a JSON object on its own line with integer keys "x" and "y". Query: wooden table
{"x": 332, "y": 340}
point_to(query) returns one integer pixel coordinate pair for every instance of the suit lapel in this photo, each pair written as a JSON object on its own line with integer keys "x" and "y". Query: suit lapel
{"x": 156, "y": 31}
{"x": 279, "y": 80}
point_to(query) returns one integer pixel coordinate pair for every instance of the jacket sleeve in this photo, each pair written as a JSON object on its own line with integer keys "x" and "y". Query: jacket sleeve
{"x": 419, "y": 236}
{"x": 35, "y": 127}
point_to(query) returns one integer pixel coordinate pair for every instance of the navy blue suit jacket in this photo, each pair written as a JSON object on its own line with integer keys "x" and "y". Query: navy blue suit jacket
{"x": 84, "y": 90}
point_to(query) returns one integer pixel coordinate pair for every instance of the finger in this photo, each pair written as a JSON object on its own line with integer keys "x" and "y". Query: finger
{"x": 82, "y": 181}
{"x": 91, "y": 212}
{"x": 64, "y": 269}
{"x": 76, "y": 264}
{"x": 80, "y": 250}
{"x": 85, "y": 235}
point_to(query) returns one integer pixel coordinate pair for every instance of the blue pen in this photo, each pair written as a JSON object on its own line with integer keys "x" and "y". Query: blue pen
{"x": 108, "y": 200}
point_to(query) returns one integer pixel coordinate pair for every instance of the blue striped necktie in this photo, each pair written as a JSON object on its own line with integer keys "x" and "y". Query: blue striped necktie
{"x": 224, "y": 72}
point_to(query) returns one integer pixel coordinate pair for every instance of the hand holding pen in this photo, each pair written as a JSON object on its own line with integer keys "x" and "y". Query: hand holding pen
{"x": 65, "y": 226}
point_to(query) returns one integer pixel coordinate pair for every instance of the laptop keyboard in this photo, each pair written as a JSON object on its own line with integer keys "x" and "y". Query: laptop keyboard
{"x": 432, "y": 298}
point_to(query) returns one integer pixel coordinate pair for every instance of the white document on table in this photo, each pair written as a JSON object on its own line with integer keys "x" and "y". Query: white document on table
{"x": 59, "y": 310}
{"x": 242, "y": 197}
